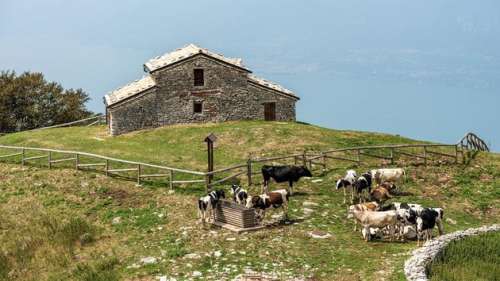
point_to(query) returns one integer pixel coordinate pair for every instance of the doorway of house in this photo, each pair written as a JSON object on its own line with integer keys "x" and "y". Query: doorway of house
{"x": 270, "y": 111}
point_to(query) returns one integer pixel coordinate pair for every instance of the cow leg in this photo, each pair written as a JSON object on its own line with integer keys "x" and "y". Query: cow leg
{"x": 355, "y": 224}
{"x": 366, "y": 233}
{"x": 440, "y": 227}
{"x": 290, "y": 189}
{"x": 344, "y": 188}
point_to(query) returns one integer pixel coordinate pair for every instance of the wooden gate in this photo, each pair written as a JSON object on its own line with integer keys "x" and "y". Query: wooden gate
{"x": 270, "y": 111}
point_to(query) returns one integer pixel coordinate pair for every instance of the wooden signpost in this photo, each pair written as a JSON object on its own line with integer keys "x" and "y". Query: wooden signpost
{"x": 210, "y": 139}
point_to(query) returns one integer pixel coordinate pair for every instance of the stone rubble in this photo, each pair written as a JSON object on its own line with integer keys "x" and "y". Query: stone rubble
{"x": 416, "y": 267}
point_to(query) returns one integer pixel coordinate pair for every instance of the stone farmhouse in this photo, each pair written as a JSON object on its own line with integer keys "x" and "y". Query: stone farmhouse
{"x": 191, "y": 85}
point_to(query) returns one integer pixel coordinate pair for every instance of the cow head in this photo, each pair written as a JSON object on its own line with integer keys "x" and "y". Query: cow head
{"x": 341, "y": 183}
{"x": 304, "y": 172}
{"x": 350, "y": 212}
{"x": 233, "y": 188}
{"x": 220, "y": 193}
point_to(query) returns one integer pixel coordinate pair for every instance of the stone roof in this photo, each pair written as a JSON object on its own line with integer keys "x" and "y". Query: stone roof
{"x": 129, "y": 90}
{"x": 270, "y": 84}
{"x": 186, "y": 52}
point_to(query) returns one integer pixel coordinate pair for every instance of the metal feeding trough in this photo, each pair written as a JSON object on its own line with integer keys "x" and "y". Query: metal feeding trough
{"x": 236, "y": 217}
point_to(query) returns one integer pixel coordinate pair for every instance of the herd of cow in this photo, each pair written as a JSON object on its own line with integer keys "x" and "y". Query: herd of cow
{"x": 396, "y": 220}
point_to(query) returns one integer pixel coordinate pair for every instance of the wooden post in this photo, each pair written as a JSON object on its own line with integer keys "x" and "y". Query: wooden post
{"x": 139, "y": 174}
{"x": 295, "y": 160}
{"x": 22, "y": 157}
{"x": 77, "y": 160}
{"x": 171, "y": 182}
{"x": 249, "y": 171}
{"x": 210, "y": 139}
{"x": 358, "y": 156}
{"x": 425, "y": 155}
{"x": 207, "y": 183}
{"x": 456, "y": 154}
{"x": 324, "y": 161}
{"x": 106, "y": 168}
{"x": 304, "y": 158}
{"x": 392, "y": 155}
{"x": 50, "y": 160}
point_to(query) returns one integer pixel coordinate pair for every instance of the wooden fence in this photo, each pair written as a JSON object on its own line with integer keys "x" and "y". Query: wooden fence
{"x": 357, "y": 155}
{"x": 106, "y": 164}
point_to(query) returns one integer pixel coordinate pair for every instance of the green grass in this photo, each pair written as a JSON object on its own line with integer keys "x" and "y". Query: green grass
{"x": 84, "y": 244}
{"x": 183, "y": 147}
{"x": 473, "y": 258}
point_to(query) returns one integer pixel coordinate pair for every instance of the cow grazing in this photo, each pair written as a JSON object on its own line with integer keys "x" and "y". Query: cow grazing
{"x": 368, "y": 206}
{"x": 239, "y": 194}
{"x": 280, "y": 174}
{"x": 277, "y": 198}
{"x": 347, "y": 181}
{"x": 387, "y": 174}
{"x": 368, "y": 219}
{"x": 364, "y": 182}
{"x": 207, "y": 204}
{"x": 380, "y": 194}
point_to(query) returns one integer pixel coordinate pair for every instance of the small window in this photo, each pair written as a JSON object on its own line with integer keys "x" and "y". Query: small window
{"x": 197, "y": 107}
{"x": 199, "y": 79}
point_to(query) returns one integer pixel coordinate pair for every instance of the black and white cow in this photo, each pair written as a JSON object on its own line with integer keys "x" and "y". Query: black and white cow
{"x": 364, "y": 182}
{"x": 239, "y": 194}
{"x": 207, "y": 204}
{"x": 347, "y": 181}
{"x": 277, "y": 198}
{"x": 426, "y": 221}
{"x": 287, "y": 173}
{"x": 423, "y": 219}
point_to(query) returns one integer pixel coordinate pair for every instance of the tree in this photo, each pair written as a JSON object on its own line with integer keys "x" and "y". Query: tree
{"x": 28, "y": 101}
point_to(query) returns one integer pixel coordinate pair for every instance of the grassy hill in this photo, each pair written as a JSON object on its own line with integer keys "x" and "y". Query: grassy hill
{"x": 64, "y": 224}
{"x": 183, "y": 147}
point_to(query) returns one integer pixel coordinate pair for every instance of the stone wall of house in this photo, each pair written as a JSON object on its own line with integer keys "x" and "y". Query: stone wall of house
{"x": 134, "y": 114}
{"x": 227, "y": 95}
{"x": 258, "y": 95}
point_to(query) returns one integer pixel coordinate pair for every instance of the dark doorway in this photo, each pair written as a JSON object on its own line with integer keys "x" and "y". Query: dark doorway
{"x": 270, "y": 111}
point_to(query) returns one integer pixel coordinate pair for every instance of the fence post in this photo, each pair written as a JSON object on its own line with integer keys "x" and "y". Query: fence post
{"x": 77, "y": 160}
{"x": 304, "y": 159}
{"x": 249, "y": 171}
{"x": 295, "y": 160}
{"x": 139, "y": 174}
{"x": 425, "y": 155}
{"x": 22, "y": 157}
{"x": 456, "y": 154}
{"x": 50, "y": 160}
{"x": 106, "y": 168}
{"x": 171, "y": 182}
{"x": 358, "y": 156}
{"x": 392, "y": 155}
{"x": 207, "y": 182}
{"x": 323, "y": 158}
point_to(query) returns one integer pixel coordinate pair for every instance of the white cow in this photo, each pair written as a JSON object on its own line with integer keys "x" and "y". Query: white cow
{"x": 388, "y": 174}
{"x": 369, "y": 219}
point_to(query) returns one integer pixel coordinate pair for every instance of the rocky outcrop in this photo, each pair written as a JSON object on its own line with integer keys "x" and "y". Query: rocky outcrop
{"x": 416, "y": 267}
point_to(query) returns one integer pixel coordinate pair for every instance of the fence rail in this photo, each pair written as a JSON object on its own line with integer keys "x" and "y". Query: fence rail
{"x": 309, "y": 159}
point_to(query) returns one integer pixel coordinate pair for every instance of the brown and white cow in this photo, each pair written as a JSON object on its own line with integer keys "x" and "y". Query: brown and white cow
{"x": 368, "y": 206}
{"x": 380, "y": 194}
{"x": 369, "y": 219}
{"x": 277, "y": 198}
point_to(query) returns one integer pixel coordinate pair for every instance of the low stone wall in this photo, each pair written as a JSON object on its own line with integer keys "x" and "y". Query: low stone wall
{"x": 416, "y": 267}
